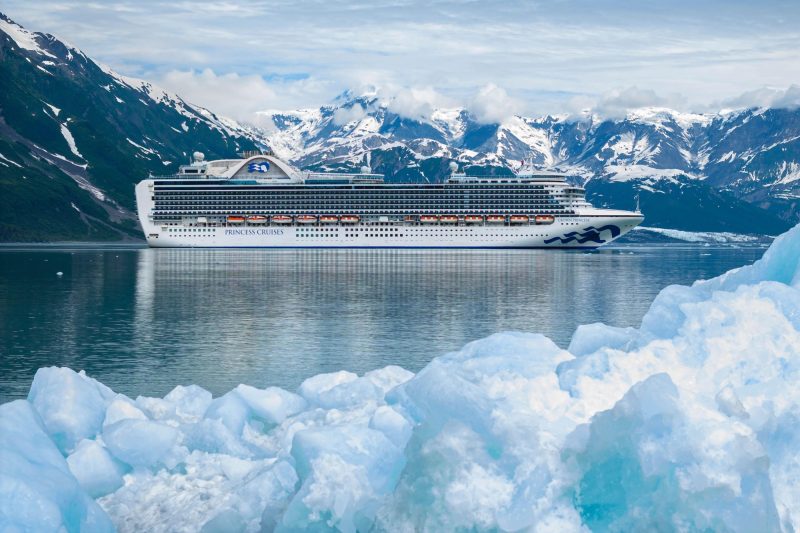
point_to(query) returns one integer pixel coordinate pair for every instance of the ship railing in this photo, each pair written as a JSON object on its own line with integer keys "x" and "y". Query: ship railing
{"x": 514, "y": 179}
{"x": 358, "y": 176}
{"x": 181, "y": 177}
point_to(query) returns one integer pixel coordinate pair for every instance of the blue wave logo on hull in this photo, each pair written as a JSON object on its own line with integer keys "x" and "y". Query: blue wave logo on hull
{"x": 261, "y": 166}
{"x": 590, "y": 234}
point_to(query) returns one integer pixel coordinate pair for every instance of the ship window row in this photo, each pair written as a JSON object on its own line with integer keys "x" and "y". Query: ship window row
{"x": 393, "y": 201}
{"x": 476, "y": 201}
{"x": 201, "y": 197}
{"x": 316, "y": 208}
{"x": 178, "y": 214}
{"x": 355, "y": 190}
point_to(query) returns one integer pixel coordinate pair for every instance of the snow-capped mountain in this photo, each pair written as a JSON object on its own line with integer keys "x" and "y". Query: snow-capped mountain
{"x": 738, "y": 169}
{"x": 75, "y": 137}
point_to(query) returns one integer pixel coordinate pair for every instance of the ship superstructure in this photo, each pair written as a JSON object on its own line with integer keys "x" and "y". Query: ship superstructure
{"x": 261, "y": 201}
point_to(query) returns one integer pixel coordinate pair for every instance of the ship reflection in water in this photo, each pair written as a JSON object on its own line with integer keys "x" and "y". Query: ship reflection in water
{"x": 145, "y": 320}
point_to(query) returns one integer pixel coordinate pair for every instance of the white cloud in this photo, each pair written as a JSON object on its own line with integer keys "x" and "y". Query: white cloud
{"x": 492, "y": 105}
{"x": 344, "y": 115}
{"x": 616, "y": 104}
{"x": 238, "y": 96}
{"x": 416, "y": 103}
{"x": 788, "y": 98}
{"x": 541, "y": 55}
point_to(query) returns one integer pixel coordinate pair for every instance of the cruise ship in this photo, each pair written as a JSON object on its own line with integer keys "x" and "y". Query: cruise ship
{"x": 262, "y": 201}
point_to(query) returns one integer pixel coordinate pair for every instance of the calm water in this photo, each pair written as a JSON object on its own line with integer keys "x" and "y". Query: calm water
{"x": 143, "y": 321}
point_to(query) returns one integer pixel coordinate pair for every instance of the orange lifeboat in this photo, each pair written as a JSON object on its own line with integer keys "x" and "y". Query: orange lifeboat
{"x": 306, "y": 219}
{"x": 349, "y": 219}
{"x": 448, "y": 219}
{"x": 519, "y": 219}
{"x": 545, "y": 219}
{"x": 235, "y": 219}
{"x": 428, "y": 219}
{"x": 495, "y": 219}
{"x": 282, "y": 219}
{"x": 472, "y": 219}
{"x": 256, "y": 219}
{"x": 329, "y": 219}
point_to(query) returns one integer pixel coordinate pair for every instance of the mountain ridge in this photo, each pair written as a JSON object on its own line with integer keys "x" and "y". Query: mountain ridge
{"x": 75, "y": 136}
{"x": 653, "y": 150}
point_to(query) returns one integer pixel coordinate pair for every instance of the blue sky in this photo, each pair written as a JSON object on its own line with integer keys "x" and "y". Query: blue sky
{"x": 501, "y": 57}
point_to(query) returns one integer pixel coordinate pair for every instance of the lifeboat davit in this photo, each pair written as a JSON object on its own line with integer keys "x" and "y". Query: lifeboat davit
{"x": 256, "y": 219}
{"x": 306, "y": 219}
{"x": 472, "y": 219}
{"x": 349, "y": 219}
{"x": 329, "y": 219}
{"x": 235, "y": 219}
{"x": 519, "y": 219}
{"x": 544, "y": 219}
{"x": 428, "y": 219}
{"x": 281, "y": 219}
{"x": 495, "y": 219}
{"x": 448, "y": 219}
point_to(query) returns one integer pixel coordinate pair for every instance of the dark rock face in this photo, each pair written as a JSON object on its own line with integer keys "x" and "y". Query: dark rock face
{"x": 75, "y": 138}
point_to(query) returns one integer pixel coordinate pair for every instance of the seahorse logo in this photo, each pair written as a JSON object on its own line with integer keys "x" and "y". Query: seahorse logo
{"x": 590, "y": 234}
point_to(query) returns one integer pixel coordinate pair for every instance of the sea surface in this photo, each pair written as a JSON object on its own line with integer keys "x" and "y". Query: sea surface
{"x": 143, "y": 321}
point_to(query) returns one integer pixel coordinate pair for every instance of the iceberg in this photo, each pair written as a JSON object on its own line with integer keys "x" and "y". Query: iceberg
{"x": 689, "y": 422}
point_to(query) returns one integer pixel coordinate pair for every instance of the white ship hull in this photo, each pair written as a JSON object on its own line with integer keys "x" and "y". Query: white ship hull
{"x": 576, "y": 232}
{"x": 238, "y": 209}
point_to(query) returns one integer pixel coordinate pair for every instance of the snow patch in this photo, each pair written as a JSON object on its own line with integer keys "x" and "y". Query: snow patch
{"x": 4, "y": 158}
{"x": 141, "y": 148}
{"x": 701, "y": 236}
{"x": 70, "y": 140}
{"x": 23, "y": 38}
{"x": 53, "y": 108}
{"x": 636, "y": 172}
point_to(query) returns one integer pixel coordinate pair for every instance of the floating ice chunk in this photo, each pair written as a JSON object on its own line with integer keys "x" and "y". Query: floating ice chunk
{"x": 311, "y": 388}
{"x": 593, "y": 365}
{"x": 213, "y": 436}
{"x": 122, "y": 408}
{"x": 781, "y": 263}
{"x": 729, "y": 403}
{"x": 349, "y": 394}
{"x": 345, "y": 472}
{"x": 651, "y": 463}
{"x": 156, "y": 408}
{"x": 72, "y": 405}
{"x": 589, "y": 338}
{"x": 272, "y": 404}
{"x": 392, "y": 424}
{"x": 231, "y": 410}
{"x": 189, "y": 402}
{"x": 94, "y": 468}
{"x": 140, "y": 443}
{"x": 388, "y": 377}
{"x": 37, "y": 490}
{"x": 228, "y": 521}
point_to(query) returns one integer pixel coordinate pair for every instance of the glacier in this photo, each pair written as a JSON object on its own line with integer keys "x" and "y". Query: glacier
{"x": 689, "y": 422}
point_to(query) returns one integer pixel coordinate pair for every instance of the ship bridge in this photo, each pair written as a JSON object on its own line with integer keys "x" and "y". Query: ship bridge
{"x": 262, "y": 168}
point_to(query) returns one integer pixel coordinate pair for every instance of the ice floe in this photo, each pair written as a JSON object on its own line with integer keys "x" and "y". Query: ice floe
{"x": 689, "y": 422}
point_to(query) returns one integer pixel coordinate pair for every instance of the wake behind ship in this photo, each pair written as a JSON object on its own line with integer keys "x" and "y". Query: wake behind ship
{"x": 261, "y": 201}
